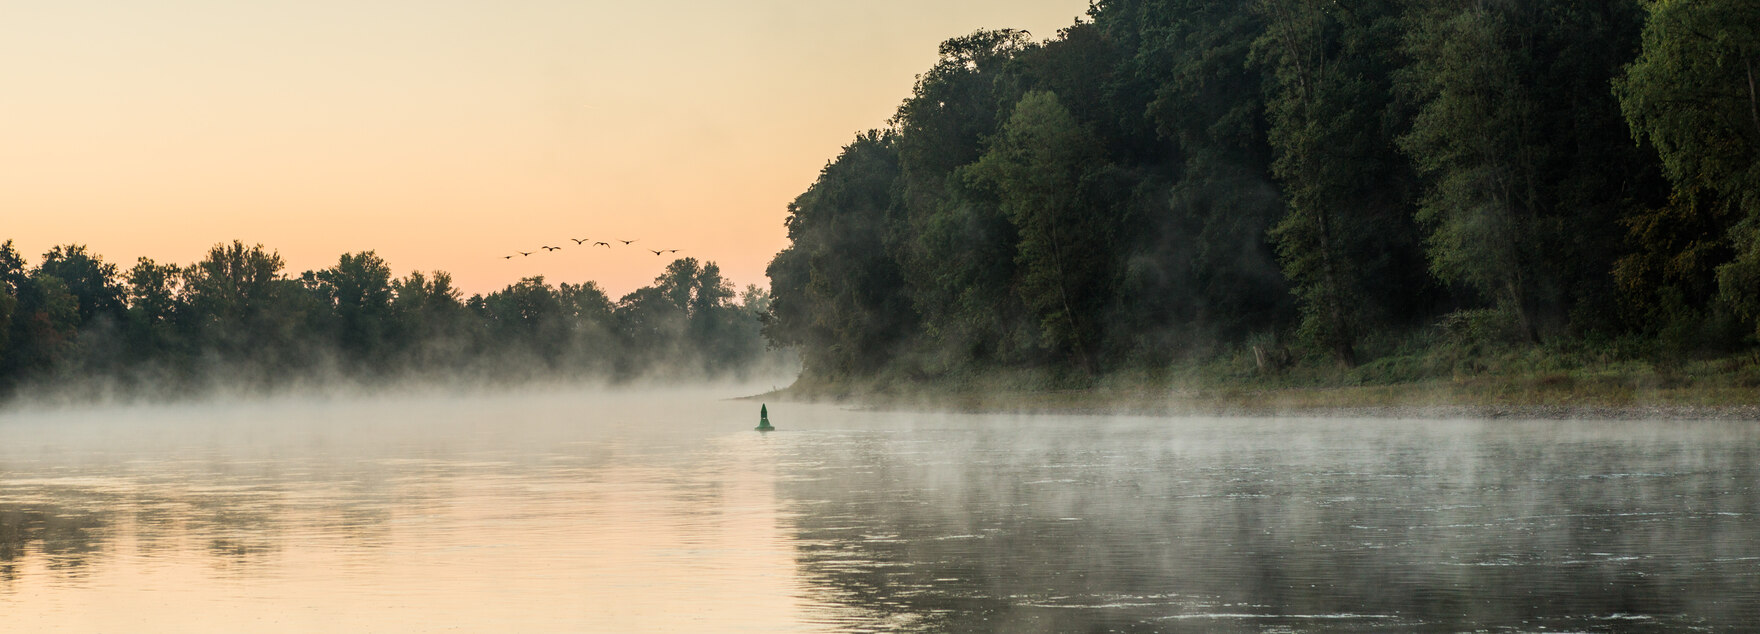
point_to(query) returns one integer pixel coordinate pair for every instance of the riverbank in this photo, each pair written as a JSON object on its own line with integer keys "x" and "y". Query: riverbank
{"x": 1714, "y": 389}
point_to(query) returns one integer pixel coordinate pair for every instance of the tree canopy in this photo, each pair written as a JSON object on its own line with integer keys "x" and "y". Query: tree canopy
{"x": 1169, "y": 179}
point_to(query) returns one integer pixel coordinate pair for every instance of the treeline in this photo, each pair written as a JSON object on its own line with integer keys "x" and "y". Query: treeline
{"x": 238, "y": 320}
{"x": 1171, "y": 179}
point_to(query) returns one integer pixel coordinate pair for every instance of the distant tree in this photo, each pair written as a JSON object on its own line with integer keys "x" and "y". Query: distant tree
{"x": 45, "y": 324}
{"x": 12, "y": 279}
{"x": 719, "y": 330}
{"x": 653, "y": 324}
{"x": 358, "y": 289}
{"x": 44, "y": 317}
{"x": 678, "y": 284}
{"x": 152, "y": 308}
{"x": 527, "y": 314}
{"x": 8, "y": 303}
{"x": 755, "y": 300}
{"x": 428, "y": 310}
{"x": 686, "y": 318}
{"x": 233, "y": 282}
{"x": 586, "y": 302}
{"x": 592, "y": 326}
{"x": 92, "y": 282}
{"x": 242, "y": 307}
{"x": 13, "y": 271}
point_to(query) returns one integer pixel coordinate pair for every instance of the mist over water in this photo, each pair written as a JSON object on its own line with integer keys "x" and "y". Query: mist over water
{"x": 661, "y": 510}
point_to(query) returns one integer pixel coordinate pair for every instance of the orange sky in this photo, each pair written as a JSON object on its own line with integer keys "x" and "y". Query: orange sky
{"x": 445, "y": 134}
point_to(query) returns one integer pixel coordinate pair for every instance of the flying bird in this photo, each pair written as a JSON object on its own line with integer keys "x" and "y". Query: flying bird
{"x": 523, "y": 253}
{"x": 579, "y": 241}
{"x": 509, "y": 257}
{"x": 602, "y": 244}
{"x": 626, "y": 242}
{"x": 658, "y": 252}
{"x": 552, "y": 248}
{"x": 672, "y": 250}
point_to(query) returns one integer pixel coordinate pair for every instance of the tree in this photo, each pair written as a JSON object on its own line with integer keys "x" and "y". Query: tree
{"x": 956, "y": 252}
{"x": 653, "y": 325}
{"x": 1328, "y": 102}
{"x": 45, "y": 323}
{"x": 1201, "y": 267}
{"x": 152, "y": 307}
{"x": 1512, "y": 129}
{"x": 12, "y": 279}
{"x": 717, "y": 327}
{"x": 1039, "y": 168}
{"x": 1692, "y": 95}
{"x": 7, "y": 304}
{"x": 44, "y": 317}
{"x": 233, "y": 283}
{"x": 358, "y": 289}
{"x": 92, "y": 282}
{"x": 838, "y": 293}
{"x": 242, "y": 308}
{"x": 1480, "y": 213}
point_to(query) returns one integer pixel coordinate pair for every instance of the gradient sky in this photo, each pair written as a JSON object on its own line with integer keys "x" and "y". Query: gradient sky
{"x": 445, "y": 134}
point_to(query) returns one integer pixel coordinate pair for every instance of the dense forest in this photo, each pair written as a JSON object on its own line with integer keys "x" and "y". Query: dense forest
{"x": 237, "y": 320}
{"x": 1327, "y": 183}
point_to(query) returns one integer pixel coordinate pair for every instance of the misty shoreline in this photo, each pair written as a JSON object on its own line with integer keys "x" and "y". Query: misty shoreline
{"x": 1281, "y": 403}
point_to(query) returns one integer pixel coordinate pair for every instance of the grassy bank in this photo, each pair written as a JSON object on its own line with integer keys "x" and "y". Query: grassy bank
{"x": 1534, "y": 382}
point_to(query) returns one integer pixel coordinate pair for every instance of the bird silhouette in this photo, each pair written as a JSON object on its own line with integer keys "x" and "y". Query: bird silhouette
{"x": 626, "y": 242}
{"x": 672, "y": 250}
{"x": 602, "y": 244}
{"x": 524, "y": 253}
{"x": 658, "y": 252}
{"x": 552, "y": 248}
{"x": 579, "y": 241}
{"x": 509, "y": 257}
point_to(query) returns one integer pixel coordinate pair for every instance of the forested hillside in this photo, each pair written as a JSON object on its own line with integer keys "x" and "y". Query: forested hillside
{"x": 1328, "y": 183}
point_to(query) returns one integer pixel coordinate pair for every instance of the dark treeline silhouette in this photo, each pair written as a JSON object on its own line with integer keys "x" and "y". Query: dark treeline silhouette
{"x": 1176, "y": 179}
{"x": 236, "y": 319}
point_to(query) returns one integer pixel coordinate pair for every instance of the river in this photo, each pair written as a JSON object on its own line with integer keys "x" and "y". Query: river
{"x": 662, "y": 510}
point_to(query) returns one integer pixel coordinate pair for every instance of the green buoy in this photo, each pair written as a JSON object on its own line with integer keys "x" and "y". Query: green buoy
{"x": 764, "y": 418}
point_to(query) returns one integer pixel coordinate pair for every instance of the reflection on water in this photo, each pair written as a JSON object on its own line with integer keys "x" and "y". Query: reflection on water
{"x": 1077, "y": 524}
{"x": 664, "y": 512}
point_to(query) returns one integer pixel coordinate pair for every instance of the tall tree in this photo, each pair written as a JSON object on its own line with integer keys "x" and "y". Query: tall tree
{"x": 1692, "y": 95}
{"x": 1200, "y": 265}
{"x": 957, "y": 253}
{"x": 1513, "y": 131}
{"x": 1328, "y": 104}
{"x": 839, "y": 295}
{"x": 1039, "y": 169}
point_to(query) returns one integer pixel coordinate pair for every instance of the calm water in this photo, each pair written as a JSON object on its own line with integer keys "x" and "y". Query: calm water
{"x": 665, "y": 512}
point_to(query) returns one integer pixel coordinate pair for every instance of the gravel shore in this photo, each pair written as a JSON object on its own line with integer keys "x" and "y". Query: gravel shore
{"x": 1068, "y": 404}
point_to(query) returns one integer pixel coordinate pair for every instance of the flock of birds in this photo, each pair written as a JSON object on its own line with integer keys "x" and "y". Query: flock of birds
{"x": 585, "y": 242}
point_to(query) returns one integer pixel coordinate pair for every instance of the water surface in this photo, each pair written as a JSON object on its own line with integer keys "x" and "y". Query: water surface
{"x": 663, "y": 511}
